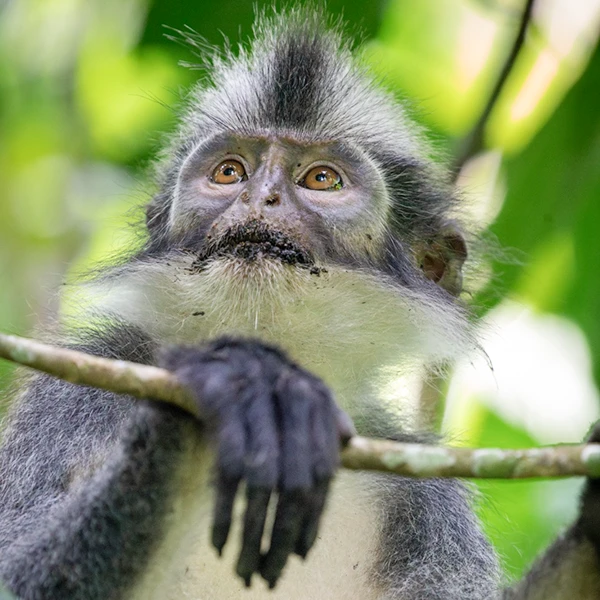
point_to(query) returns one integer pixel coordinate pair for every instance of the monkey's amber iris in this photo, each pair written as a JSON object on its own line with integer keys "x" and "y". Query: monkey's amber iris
{"x": 229, "y": 171}
{"x": 322, "y": 178}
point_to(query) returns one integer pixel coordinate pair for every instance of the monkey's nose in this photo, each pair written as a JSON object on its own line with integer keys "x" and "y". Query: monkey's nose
{"x": 272, "y": 200}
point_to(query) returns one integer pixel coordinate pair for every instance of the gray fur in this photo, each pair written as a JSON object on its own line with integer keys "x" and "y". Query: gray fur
{"x": 74, "y": 524}
{"x": 432, "y": 547}
{"x": 102, "y": 497}
{"x": 300, "y": 79}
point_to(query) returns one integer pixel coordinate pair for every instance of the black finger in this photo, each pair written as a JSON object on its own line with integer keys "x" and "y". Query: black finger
{"x": 261, "y": 462}
{"x": 230, "y": 469}
{"x": 284, "y": 537}
{"x": 226, "y": 489}
{"x": 254, "y": 524}
{"x": 310, "y": 526}
{"x": 295, "y": 397}
{"x": 324, "y": 437}
{"x": 231, "y": 442}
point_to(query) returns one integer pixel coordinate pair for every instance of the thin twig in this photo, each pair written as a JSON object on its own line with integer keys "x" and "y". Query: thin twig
{"x": 473, "y": 142}
{"x": 415, "y": 460}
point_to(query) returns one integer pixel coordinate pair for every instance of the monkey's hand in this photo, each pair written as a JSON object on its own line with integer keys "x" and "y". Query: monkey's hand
{"x": 589, "y": 519}
{"x": 277, "y": 427}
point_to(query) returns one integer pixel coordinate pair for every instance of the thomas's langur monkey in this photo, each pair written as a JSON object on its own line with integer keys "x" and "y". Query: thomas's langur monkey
{"x": 302, "y": 252}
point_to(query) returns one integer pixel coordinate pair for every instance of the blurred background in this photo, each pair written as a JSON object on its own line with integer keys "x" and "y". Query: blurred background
{"x": 89, "y": 87}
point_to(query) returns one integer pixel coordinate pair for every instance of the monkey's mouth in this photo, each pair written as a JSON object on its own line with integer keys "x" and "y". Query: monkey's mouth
{"x": 252, "y": 241}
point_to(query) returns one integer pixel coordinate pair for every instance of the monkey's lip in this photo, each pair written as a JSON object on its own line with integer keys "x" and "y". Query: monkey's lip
{"x": 252, "y": 241}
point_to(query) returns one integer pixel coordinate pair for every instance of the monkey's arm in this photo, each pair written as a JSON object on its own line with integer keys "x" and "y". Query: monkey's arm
{"x": 70, "y": 528}
{"x": 73, "y": 528}
{"x": 428, "y": 530}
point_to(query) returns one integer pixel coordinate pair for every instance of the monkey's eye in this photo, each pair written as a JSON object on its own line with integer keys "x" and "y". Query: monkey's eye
{"x": 229, "y": 171}
{"x": 322, "y": 178}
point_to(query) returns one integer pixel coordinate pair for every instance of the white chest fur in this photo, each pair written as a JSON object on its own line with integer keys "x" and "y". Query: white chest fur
{"x": 339, "y": 567}
{"x": 354, "y": 330}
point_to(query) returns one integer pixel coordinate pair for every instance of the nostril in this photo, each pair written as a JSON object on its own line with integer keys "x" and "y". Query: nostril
{"x": 272, "y": 200}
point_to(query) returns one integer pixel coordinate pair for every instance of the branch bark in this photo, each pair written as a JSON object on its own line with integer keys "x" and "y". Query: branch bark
{"x": 414, "y": 460}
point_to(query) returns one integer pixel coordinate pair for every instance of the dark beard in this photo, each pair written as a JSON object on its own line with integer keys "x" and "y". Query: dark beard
{"x": 251, "y": 241}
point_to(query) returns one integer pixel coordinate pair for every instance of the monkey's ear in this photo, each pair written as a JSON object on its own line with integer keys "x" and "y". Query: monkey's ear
{"x": 441, "y": 258}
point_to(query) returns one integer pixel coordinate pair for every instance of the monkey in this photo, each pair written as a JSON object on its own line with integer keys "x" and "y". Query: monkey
{"x": 302, "y": 250}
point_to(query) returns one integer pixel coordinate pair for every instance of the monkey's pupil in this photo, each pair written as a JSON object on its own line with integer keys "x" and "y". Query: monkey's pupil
{"x": 229, "y": 171}
{"x": 321, "y": 177}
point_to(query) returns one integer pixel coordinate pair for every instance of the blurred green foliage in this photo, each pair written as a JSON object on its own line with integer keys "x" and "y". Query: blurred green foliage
{"x": 552, "y": 211}
{"x": 86, "y": 88}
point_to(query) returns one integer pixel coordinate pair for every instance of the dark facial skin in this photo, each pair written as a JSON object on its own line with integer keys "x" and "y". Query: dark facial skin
{"x": 306, "y": 204}
{"x": 279, "y": 186}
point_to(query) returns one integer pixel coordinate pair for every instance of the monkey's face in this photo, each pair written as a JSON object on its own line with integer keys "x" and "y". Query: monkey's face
{"x": 275, "y": 198}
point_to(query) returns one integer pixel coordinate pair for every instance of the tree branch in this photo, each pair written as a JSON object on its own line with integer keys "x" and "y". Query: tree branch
{"x": 473, "y": 142}
{"x": 415, "y": 460}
